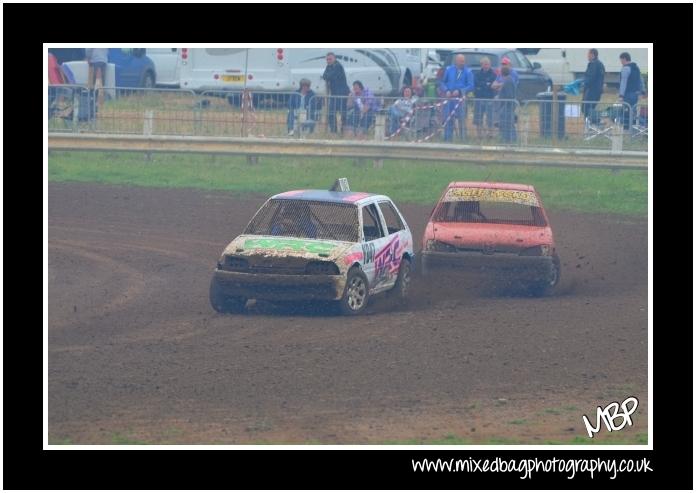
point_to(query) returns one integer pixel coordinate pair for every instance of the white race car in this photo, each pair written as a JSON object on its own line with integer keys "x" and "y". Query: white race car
{"x": 317, "y": 245}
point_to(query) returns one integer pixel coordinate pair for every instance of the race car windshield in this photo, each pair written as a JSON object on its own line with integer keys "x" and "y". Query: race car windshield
{"x": 306, "y": 219}
{"x": 476, "y": 205}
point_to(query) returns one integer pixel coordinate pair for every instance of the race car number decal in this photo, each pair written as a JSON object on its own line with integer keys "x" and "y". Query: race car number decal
{"x": 368, "y": 252}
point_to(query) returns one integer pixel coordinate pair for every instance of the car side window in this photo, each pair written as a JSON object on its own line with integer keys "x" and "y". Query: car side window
{"x": 523, "y": 61}
{"x": 391, "y": 217}
{"x": 372, "y": 226}
{"x": 513, "y": 59}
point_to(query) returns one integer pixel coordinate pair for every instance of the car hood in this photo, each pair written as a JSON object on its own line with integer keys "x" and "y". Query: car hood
{"x": 285, "y": 247}
{"x": 506, "y": 237}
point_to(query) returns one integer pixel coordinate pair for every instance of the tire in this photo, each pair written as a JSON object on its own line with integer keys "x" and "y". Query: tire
{"x": 356, "y": 293}
{"x": 148, "y": 80}
{"x": 546, "y": 287}
{"x": 403, "y": 281}
{"x": 223, "y": 303}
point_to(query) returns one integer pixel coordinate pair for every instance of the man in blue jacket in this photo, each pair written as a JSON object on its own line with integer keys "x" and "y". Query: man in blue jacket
{"x": 456, "y": 82}
{"x": 593, "y": 85}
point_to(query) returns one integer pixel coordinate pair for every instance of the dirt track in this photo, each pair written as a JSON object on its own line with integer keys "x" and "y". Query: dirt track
{"x": 136, "y": 352}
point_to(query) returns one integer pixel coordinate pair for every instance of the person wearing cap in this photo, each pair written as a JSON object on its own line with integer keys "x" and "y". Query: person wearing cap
{"x": 513, "y": 73}
{"x": 506, "y": 106}
{"x": 456, "y": 82}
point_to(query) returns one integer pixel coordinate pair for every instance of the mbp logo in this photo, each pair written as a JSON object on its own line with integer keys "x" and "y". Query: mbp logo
{"x": 609, "y": 415}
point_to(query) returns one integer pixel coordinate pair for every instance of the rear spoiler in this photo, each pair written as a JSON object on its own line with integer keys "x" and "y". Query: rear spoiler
{"x": 340, "y": 185}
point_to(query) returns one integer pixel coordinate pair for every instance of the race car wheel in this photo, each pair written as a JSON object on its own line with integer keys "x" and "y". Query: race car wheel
{"x": 403, "y": 281}
{"x": 356, "y": 293}
{"x": 223, "y": 303}
{"x": 544, "y": 288}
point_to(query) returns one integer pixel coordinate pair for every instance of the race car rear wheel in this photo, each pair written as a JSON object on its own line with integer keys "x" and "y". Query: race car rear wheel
{"x": 356, "y": 293}
{"x": 221, "y": 302}
{"x": 545, "y": 288}
{"x": 403, "y": 281}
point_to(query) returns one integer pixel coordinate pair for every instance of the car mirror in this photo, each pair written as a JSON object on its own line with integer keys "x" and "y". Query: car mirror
{"x": 536, "y": 66}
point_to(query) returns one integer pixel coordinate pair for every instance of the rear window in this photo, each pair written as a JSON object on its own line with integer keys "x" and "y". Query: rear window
{"x": 491, "y": 206}
{"x": 306, "y": 219}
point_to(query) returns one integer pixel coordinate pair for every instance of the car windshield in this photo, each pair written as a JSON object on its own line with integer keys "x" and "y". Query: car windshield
{"x": 306, "y": 219}
{"x": 490, "y": 206}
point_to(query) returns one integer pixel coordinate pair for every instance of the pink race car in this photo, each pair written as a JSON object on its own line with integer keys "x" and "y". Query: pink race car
{"x": 497, "y": 226}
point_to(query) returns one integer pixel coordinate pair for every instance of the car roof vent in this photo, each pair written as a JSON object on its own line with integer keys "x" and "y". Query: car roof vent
{"x": 340, "y": 185}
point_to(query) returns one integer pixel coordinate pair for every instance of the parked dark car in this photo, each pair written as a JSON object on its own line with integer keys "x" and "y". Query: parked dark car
{"x": 533, "y": 80}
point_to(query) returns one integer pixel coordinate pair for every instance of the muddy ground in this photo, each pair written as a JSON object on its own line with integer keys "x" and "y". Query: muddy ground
{"x": 137, "y": 355}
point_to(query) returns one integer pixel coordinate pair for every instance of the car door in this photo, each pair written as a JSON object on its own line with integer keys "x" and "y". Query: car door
{"x": 374, "y": 240}
{"x": 398, "y": 239}
{"x": 127, "y": 72}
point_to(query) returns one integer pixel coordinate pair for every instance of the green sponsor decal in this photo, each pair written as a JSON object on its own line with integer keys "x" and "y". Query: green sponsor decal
{"x": 316, "y": 247}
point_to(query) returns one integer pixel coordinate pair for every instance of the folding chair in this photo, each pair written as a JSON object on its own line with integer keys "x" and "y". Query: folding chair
{"x": 599, "y": 123}
{"x": 640, "y": 122}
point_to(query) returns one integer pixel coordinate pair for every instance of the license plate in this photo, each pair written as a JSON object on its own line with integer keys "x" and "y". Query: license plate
{"x": 233, "y": 78}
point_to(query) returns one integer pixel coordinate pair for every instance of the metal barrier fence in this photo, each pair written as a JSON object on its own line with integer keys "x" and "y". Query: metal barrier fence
{"x": 580, "y": 124}
{"x": 145, "y": 111}
{"x": 246, "y": 113}
{"x": 70, "y": 108}
{"x": 536, "y": 123}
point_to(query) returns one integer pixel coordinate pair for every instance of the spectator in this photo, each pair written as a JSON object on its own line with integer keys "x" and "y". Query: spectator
{"x": 364, "y": 106}
{"x": 336, "y": 88}
{"x": 513, "y": 73}
{"x": 303, "y": 102}
{"x": 593, "y": 85}
{"x": 631, "y": 85}
{"x": 456, "y": 82}
{"x": 484, "y": 94}
{"x": 97, "y": 59}
{"x": 506, "y": 106}
{"x": 401, "y": 107}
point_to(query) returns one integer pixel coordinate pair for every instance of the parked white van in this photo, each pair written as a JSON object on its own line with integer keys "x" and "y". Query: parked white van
{"x": 166, "y": 62}
{"x": 383, "y": 70}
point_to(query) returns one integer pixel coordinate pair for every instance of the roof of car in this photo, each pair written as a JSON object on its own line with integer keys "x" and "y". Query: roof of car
{"x": 326, "y": 196}
{"x": 485, "y": 184}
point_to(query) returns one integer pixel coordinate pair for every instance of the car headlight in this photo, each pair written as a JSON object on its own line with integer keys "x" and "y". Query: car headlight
{"x": 322, "y": 268}
{"x": 234, "y": 264}
{"x": 438, "y": 246}
{"x": 537, "y": 251}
